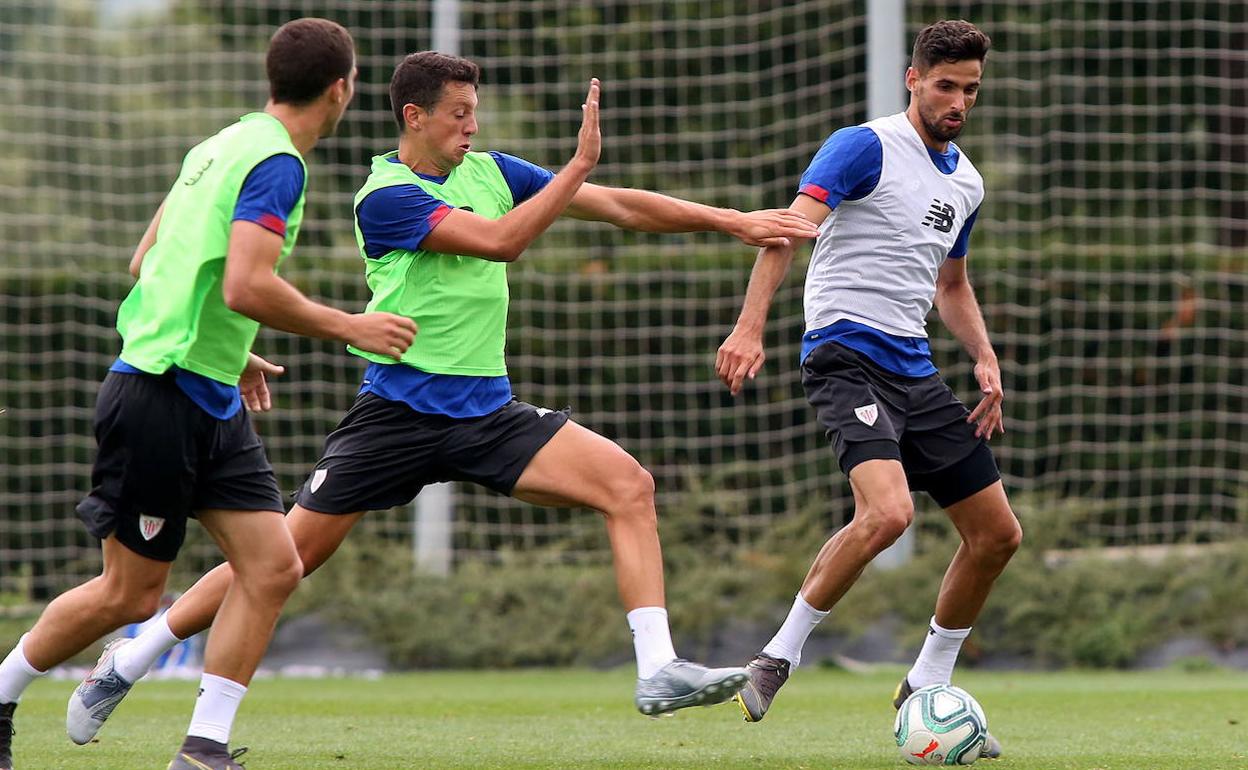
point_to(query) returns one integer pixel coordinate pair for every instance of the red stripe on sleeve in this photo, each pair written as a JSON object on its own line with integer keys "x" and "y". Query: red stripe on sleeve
{"x": 815, "y": 191}
{"x": 272, "y": 222}
{"x": 438, "y": 215}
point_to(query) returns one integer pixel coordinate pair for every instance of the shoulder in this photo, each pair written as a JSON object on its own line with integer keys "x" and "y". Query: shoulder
{"x": 391, "y": 199}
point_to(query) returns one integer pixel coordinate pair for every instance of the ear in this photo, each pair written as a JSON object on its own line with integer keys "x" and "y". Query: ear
{"x": 912, "y": 78}
{"x": 338, "y": 91}
{"x": 413, "y": 116}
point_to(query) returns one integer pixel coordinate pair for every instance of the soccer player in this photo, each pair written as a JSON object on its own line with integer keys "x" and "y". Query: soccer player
{"x": 437, "y": 224}
{"x": 897, "y": 200}
{"x": 174, "y": 441}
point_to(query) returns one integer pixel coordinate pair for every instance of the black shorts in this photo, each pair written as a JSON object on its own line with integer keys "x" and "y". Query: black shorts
{"x": 873, "y": 414}
{"x": 161, "y": 458}
{"x": 384, "y": 452}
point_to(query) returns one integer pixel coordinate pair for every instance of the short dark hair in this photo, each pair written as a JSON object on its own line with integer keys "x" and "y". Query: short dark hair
{"x": 948, "y": 41}
{"x": 305, "y": 57}
{"x": 419, "y": 79}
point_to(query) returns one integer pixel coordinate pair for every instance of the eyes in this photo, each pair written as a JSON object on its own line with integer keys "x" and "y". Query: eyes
{"x": 948, "y": 87}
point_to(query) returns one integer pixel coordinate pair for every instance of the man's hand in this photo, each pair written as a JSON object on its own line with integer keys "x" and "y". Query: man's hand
{"x": 988, "y": 412}
{"x": 771, "y": 227}
{"x": 385, "y": 334}
{"x": 589, "y": 140}
{"x": 739, "y": 357}
{"x": 253, "y": 386}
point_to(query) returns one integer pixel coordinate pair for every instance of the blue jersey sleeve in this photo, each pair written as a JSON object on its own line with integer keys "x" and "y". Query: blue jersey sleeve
{"x": 270, "y": 192}
{"x": 847, "y": 167}
{"x": 523, "y": 178}
{"x": 961, "y": 245}
{"x": 398, "y": 217}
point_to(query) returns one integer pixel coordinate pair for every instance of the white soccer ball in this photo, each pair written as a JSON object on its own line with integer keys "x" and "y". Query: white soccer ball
{"x": 940, "y": 725}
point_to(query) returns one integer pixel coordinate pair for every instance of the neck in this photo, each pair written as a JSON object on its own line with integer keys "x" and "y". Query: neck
{"x": 912, "y": 114}
{"x": 303, "y": 124}
{"x": 416, "y": 156}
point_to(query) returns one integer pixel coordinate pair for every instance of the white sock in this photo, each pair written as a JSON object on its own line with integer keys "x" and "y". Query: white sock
{"x": 218, "y": 702}
{"x": 16, "y": 674}
{"x": 133, "y": 659}
{"x": 788, "y": 642}
{"x": 940, "y": 651}
{"x": 652, "y": 640}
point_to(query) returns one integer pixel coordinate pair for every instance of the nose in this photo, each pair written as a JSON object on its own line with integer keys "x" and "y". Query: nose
{"x": 471, "y": 128}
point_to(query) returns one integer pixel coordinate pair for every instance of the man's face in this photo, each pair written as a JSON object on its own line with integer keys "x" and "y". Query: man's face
{"x": 944, "y": 95}
{"x": 451, "y": 123}
{"x": 347, "y": 92}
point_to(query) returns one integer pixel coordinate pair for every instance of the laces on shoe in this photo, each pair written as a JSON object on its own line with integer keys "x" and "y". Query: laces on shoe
{"x": 236, "y": 753}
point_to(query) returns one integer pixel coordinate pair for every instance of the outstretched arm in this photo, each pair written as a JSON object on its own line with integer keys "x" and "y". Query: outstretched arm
{"x": 653, "y": 212}
{"x": 955, "y": 300}
{"x": 742, "y": 354}
{"x": 505, "y": 239}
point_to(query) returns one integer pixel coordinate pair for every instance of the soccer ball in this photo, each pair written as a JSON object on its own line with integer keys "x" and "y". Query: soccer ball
{"x": 940, "y": 725}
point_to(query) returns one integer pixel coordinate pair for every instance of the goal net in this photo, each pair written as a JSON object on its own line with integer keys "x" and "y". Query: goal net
{"x": 1109, "y": 255}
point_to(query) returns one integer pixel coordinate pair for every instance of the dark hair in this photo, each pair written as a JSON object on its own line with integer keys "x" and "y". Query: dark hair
{"x": 948, "y": 41}
{"x": 305, "y": 57}
{"x": 419, "y": 79}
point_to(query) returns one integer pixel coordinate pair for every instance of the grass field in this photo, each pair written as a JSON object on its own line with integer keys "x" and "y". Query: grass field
{"x": 824, "y": 720}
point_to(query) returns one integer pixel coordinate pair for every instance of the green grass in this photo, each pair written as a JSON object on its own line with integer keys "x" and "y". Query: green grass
{"x": 579, "y": 719}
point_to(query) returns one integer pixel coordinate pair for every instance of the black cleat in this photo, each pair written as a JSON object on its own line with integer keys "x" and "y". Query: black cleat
{"x": 992, "y": 746}
{"x": 767, "y": 675}
{"x": 205, "y": 754}
{"x": 6, "y": 735}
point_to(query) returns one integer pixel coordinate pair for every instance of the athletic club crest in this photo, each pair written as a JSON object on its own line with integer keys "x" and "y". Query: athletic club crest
{"x": 867, "y": 414}
{"x": 318, "y": 478}
{"x": 150, "y": 526}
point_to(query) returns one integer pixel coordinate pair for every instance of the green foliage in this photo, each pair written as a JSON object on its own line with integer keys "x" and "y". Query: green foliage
{"x": 1052, "y": 607}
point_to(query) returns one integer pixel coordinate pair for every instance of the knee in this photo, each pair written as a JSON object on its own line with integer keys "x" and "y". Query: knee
{"x": 998, "y": 545}
{"x": 277, "y": 577}
{"x": 632, "y": 494}
{"x": 883, "y": 522}
{"x": 128, "y": 603}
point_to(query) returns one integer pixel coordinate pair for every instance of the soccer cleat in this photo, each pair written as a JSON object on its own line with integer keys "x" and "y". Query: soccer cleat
{"x": 6, "y": 735}
{"x": 203, "y": 754}
{"x": 93, "y": 701}
{"x": 767, "y": 675}
{"x": 992, "y": 746}
{"x": 681, "y": 684}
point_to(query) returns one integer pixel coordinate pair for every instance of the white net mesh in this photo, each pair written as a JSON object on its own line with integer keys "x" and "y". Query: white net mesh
{"x": 1109, "y": 256}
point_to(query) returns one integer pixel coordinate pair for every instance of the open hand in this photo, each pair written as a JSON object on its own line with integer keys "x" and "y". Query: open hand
{"x": 253, "y": 385}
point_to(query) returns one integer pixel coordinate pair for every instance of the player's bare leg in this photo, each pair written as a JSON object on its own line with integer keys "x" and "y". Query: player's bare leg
{"x": 266, "y": 570}
{"x": 316, "y": 537}
{"x": 128, "y": 590}
{"x": 990, "y": 535}
{"x": 882, "y": 511}
{"x": 577, "y": 467}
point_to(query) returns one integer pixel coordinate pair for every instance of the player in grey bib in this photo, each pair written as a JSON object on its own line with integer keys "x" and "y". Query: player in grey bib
{"x": 897, "y": 200}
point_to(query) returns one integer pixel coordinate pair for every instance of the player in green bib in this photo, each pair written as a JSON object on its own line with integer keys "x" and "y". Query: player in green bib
{"x": 437, "y": 224}
{"x": 174, "y": 439}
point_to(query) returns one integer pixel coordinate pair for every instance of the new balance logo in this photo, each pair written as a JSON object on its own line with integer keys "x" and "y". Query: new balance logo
{"x": 939, "y": 216}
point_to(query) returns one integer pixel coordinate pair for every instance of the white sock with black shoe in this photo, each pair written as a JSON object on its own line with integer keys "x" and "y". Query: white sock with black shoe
{"x": 788, "y": 642}
{"x": 652, "y": 640}
{"x": 218, "y": 703}
{"x": 16, "y": 673}
{"x": 940, "y": 652}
